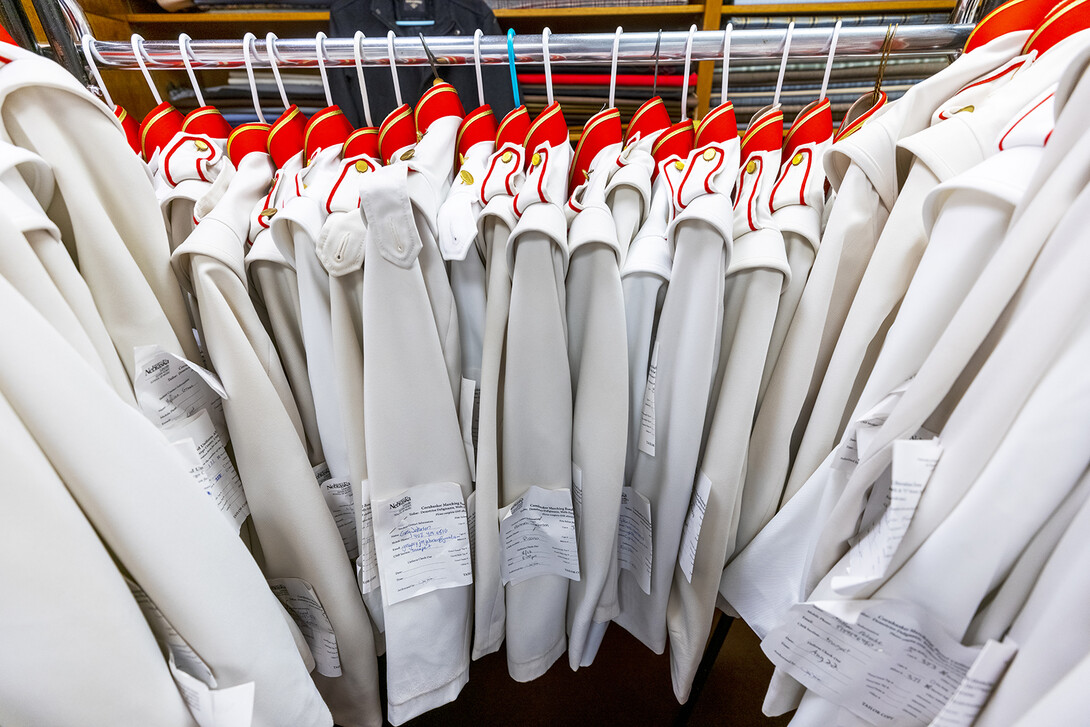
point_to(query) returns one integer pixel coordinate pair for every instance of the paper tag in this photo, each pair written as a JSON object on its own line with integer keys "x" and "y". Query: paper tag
{"x": 577, "y": 490}
{"x": 367, "y": 563}
{"x": 169, "y": 388}
{"x": 647, "y": 417}
{"x": 230, "y": 707}
{"x": 200, "y": 445}
{"x": 634, "y": 543}
{"x": 690, "y": 535}
{"x": 338, "y": 498}
{"x": 893, "y": 665}
{"x": 471, "y": 522}
{"x": 179, "y": 651}
{"x": 422, "y": 536}
{"x": 467, "y": 416}
{"x": 321, "y": 472}
{"x": 870, "y": 557}
{"x": 860, "y": 434}
{"x": 302, "y": 603}
{"x": 537, "y": 535}
{"x": 977, "y": 686}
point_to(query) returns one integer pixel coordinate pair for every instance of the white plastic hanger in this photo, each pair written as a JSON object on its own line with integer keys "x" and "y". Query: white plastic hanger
{"x": 270, "y": 48}
{"x": 393, "y": 67}
{"x": 547, "y": 60}
{"x": 613, "y": 67}
{"x": 185, "y": 52}
{"x": 137, "y": 42}
{"x": 319, "y": 51}
{"x": 829, "y": 63}
{"x": 783, "y": 64}
{"x": 726, "y": 63}
{"x": 248, "y": 42}
{"x": 357, "y": 50}
{"x": 477, "y": 64}
{"x": 89, "y": 55}
{"x": 685, "y": 77}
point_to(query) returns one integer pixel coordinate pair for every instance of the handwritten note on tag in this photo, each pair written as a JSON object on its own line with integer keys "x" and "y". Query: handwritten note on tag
{"x": 974, "y": 690}
{"x": 200, "y": 445}
{"x": 537, "y": 535}
{"x": 169, "y": 389}
{"x": 367, "y": 562}
{"x": 892, "y": 666}
{"x": 422, "y": 538}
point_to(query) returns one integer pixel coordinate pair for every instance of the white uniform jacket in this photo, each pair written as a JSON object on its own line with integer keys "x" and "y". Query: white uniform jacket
{"x": 299, "y": 538}
{"x": 598, "y": 358}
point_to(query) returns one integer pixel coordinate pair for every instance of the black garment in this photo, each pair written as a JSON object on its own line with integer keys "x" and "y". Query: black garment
{"x": 377, "y": 17}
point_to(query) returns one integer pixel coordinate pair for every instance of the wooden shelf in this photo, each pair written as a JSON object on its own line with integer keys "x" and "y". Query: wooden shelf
{"x": 290, "y": 16}
{"x": 851, "y": 8}
{"x": 229, "y": 16}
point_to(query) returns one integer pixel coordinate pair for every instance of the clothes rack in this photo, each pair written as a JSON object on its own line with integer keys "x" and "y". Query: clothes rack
{"x": 66, "y": 25}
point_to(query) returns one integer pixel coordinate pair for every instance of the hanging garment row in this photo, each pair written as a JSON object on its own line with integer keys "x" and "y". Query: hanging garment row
{"x": 447, "y": 384}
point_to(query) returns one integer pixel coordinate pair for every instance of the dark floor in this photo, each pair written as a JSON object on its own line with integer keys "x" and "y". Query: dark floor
{"x": 627, "y": 685}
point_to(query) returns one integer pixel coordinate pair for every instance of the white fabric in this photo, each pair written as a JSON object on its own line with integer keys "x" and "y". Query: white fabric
{"x": 411, "y": 419}
{"x": 598, "y": 360}
{"x": 103, "y": 450}
{"x": 496, "y": 221}
{"x": 537, "y": 397}
{"x": 756, "y": 276}
{"x": 268, "y": 441}
{"x": 117, "y": 233}
{"x": 687, "y": 339}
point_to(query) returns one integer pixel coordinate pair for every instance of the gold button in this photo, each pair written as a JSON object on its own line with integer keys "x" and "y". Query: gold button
{"x": 535, "y": 160}
{"x": 796, "y": 160}
{"x": 506, "y": 158}
{"x": 679, "y": 165}
{"x": 466, "y": 177}
{"x": 268, "y": 212}
{"x": 461, "y": 158}
{"x": 408, "y": 155}
{"x": 201, "y": 146}
{"x": 751, "y": 167}
{"x": 709, "y": 154}
{"x": 361, "y": 166}
{"x": 969, "y": 109}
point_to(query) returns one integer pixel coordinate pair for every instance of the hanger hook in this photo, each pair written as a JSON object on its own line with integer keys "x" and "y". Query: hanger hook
{"x": 248, "y": 44}
{"x": 187, "y": 55}
{"x": 783, "y": 64}
{"x": 685, "y": 76}
{"x": 393, "y": 66}
{"x": 511, "y": 64}
{"x": 655, "y": 81}
{"x": 432, "y": 60}
{"x": 270, "y": 48}
{"x": 887, "y": 48}
{"x": 547, "y": 60}
{"x": 613, "y": 67}
{"x": 829, "y": 62}
{"x": 477, "y": 63}
{"x": 89, "y": 56}
{"x": 319, "y": 52}
{"x": 137, "y": 42}
{"x": 727, "y": 32}
{"x": 357, "y": 51}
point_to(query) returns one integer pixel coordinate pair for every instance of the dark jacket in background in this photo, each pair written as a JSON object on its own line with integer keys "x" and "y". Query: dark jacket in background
{"x": 377, "y": 17}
